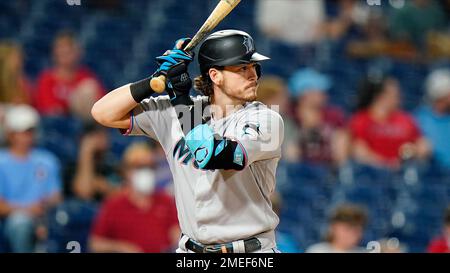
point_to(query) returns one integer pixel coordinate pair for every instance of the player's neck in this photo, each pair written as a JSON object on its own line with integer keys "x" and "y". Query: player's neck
{"x": 224, "y": 105}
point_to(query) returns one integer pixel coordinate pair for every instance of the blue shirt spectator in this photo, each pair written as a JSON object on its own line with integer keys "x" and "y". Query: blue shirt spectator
{"x": 29, "y": 181}
{"x": 436, "y": 128}
{"x": 434, "y": 119}
{"x": 24, "y": 182}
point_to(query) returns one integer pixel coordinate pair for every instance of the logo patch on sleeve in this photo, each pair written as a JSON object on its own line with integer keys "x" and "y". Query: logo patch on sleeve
{"x": 251, "y": 129}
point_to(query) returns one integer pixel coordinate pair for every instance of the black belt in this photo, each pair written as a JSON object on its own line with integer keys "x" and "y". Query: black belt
{"x": 250, "y": 245}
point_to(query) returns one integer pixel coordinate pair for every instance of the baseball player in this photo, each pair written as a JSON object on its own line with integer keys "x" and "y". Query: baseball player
{"x": 223, "y": 147}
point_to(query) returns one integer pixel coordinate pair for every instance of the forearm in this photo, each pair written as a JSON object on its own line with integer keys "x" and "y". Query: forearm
{"x": 362, "y": 153}
{"x": 113, "y": 109}
{"x": 83, "y": 184}
{"x": 340, "y": 147}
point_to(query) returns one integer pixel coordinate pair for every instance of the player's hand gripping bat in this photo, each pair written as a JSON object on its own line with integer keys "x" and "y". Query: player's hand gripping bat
{"x": 223, "y": 8}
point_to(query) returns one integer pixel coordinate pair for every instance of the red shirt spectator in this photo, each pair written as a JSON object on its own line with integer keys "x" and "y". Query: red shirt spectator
{"x": 67, "y": 87}
{"x": 439, "y": 245}
{"x": 119, "y": 219}
{"x": 385, "y": 138}
{"x": 53, "y": 94}
{"x": 383, "y": 134}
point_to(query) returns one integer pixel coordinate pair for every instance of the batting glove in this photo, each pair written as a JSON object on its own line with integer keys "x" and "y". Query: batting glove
{"x": 174, "y": 65}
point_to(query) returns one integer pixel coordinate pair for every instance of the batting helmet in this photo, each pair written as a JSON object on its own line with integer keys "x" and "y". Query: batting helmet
{"x": 227, "y": 47}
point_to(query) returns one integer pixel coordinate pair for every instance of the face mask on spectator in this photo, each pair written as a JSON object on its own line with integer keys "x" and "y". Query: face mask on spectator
{"x": 143, "y": 180}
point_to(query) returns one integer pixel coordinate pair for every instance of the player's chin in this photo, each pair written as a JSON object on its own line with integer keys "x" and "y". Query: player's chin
{"x": 250, "y": 94}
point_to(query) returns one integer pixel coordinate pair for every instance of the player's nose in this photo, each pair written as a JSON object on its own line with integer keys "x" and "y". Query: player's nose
{"x": 251, "y": 73}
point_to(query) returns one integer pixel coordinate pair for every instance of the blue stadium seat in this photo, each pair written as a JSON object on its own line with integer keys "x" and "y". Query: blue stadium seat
{"x": 306, "y": 195}
{"x": 70, "y": 221}
{"x": 60, "y": 135}
{"x": 4, "y": 246}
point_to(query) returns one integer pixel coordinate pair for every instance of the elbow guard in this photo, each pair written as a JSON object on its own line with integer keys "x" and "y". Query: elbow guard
{"x": 212, "y": 152}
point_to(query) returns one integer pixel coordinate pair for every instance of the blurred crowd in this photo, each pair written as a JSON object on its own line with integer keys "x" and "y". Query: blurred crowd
{"x": 123, "y": 202}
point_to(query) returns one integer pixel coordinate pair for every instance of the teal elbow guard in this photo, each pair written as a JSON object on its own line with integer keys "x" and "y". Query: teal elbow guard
{"x": 213, "y": 152}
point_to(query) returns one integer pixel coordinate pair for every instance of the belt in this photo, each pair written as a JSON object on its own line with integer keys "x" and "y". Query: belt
{"x": 250, "y": 245}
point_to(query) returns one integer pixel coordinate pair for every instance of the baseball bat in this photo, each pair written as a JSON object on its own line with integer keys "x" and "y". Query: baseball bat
{"x": 223, "y": 8}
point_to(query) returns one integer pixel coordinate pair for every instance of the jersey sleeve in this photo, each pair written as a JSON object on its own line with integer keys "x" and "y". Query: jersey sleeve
{"x": 148, "y": 116}
{"x": 261, "y": 134}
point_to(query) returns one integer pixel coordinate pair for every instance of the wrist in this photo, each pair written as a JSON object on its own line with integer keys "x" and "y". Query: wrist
{"x": 141, "y": 89}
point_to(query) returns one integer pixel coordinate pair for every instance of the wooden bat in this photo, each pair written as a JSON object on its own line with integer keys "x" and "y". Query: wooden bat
{"x": 223, "y": 8}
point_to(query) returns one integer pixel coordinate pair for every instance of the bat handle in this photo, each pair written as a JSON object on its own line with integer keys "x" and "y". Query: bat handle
{"x": 158, "y": 84}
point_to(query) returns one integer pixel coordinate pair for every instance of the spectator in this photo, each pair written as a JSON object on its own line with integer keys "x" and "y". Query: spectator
{"x": 137, "y": 219}
{"x": 345, "y": 231}
{"x": 322, "y": 137}
{"x": 442, "y": 244}
{"x": 292, "y": 21}
{"x": 93, "y": 178}
{"x": 346, "y": 18}
{"x": 415, "y": 20}
{"x": 434, "y": 118}
{"x": 29, "y": 180}
{"x": 14, "y": 85}
{"x": 285, "y": 242}
{"x": 373, "y": 40}
{"x": 383, "y": 135}
{"x": 67, "y": 88}
{"x": 272, "y": 91}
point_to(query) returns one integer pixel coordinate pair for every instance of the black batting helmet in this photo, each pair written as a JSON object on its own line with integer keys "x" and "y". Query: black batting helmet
{"x": 227, "y": 47}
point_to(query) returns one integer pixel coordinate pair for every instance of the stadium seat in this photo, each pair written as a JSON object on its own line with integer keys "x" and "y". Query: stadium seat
{"x": 70, "y": 221}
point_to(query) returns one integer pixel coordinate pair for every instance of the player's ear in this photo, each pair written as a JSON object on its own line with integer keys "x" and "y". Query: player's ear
{"x": 216, "y": 76}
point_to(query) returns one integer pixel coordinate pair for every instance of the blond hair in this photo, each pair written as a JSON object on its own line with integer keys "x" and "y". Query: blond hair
{"x": 12, "y": 90}
{"x": 136, "y": 152}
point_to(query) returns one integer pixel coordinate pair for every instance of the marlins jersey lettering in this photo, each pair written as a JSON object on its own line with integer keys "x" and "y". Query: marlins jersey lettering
{"x": 218, "y": 206}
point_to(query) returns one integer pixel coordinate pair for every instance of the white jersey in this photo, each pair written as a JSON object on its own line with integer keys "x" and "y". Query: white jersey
{"x": 218, "y": 206}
